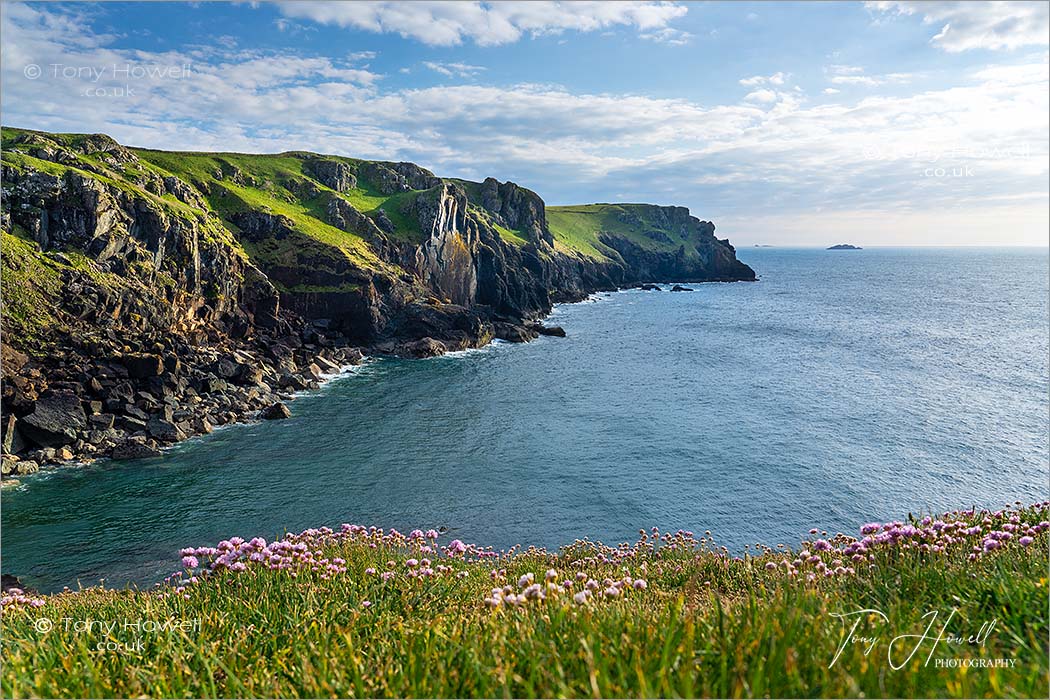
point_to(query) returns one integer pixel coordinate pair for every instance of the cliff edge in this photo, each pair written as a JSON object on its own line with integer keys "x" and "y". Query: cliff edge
{"x": 149, "y": 295}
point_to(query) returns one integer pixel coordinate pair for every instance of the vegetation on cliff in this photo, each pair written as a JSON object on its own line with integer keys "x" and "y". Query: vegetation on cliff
{"x": 218, "y": 261}
{"x": 374, "y": 235}
{"x": 948, "y": 605}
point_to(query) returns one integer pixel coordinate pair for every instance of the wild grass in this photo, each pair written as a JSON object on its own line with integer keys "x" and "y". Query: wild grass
{"x": 362, "y": 612}
{"x": 577, "y": 227}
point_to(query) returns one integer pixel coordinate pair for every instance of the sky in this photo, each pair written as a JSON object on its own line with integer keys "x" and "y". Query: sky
{"x": 878, "y": 123}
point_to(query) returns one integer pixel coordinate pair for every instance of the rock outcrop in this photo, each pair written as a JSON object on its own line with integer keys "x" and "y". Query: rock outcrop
{"x": 146, "y": 301}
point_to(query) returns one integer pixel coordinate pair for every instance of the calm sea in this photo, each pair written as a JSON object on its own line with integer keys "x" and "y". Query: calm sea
{"x": 840, "y": 388}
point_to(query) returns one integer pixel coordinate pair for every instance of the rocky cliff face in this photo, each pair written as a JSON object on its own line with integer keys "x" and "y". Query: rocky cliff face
{"x": 149, "y": 295}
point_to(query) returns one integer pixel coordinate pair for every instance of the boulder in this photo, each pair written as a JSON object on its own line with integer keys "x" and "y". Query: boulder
{"x": 556, "y": 331}
{"x": 143, "y": 365}
{"x": 249, "y": 375}
{"x": 679, "y": 288}
{"x": 650, "y": 287}
{"x": 513, "y": 332}
{"x": 291, "y": 381}
{"x": 326, "y": 365}
{"x": 424, "y": 347}
{"x": 277, "y": 411}
{"x": 54, "y": 421}
{"x": 13, "y": 466}
{"x": 102, "y": 421}
{"x": 133, "y": 449}
{"x": 164, "y": 430}
{"x": 213, "y": 385}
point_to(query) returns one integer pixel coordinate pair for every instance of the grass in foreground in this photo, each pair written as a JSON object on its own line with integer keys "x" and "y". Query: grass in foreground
{"x": 951, "y": 605}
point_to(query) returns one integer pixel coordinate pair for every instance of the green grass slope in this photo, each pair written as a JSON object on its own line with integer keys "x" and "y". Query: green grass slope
{"x": 235, "y": 182}
{"x": 359, "y": 613}
{"x": 576, "y": 227}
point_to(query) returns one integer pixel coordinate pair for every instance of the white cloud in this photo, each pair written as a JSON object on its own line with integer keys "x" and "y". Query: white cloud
{"x": 831, "y": 91}
{"x": 870, "y": 80}
{"x": 865, "y": 155}
{"x": 854, "y": 75}
{"x": 777, "y": 78}
{"x": 452, "y": 23}
{"x": 762, "y": 95}
{"x": 669, "y": 36}
{"x": 459, "y": 70}
{"x": 979, "y": 25}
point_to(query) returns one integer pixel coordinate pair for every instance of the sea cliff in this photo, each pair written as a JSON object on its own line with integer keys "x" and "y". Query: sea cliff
{"x": 148, "y": 295}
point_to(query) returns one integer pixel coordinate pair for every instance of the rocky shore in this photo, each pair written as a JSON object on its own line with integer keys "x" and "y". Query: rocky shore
{"x": 149, "y": 296}
{"x": 128, "y": 405}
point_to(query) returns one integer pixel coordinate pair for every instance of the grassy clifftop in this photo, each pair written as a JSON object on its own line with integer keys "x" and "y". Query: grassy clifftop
{"x": 353, "y": 241}
{"x": 283, "y": 184}
{"x": 361, "y": 612}
{"x": 660, "y": 229}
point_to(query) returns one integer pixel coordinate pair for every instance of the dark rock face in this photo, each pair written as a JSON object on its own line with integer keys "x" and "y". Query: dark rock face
{"x": 389, "y": 178}
{"x": 143, "y": 365}
{"x": 445, "y": 260}
{"x": 715, "y": 261}
{"x": 54, "y": 421}
{"x": 517, "y": 208}
{"x": 135, "y": 239}
{"x": 331, "y": 173}
{"x": 680, "y": 288}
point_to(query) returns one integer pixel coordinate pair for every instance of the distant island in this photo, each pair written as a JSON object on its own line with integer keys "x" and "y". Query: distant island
{"x": 845, "y": 246}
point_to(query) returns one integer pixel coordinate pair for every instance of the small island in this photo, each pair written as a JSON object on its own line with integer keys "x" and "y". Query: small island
{"x": 845, "y": 246}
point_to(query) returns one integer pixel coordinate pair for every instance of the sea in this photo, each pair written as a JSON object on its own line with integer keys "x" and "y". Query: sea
{"x": 840, "y": 388}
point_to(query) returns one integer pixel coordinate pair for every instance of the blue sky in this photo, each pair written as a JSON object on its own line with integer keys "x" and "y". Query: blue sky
{"x": 882, "y": 123}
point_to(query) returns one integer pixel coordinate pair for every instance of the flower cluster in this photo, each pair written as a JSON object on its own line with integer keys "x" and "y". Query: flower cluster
{"x": 417, "y": 556}
{"x": 579, "y": 590}
{"x": 978, "y": 532}
{"x": 17, "y": 598}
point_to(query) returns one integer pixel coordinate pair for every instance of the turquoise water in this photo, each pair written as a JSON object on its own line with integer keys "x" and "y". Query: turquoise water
{"x": 842, "y": 387}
